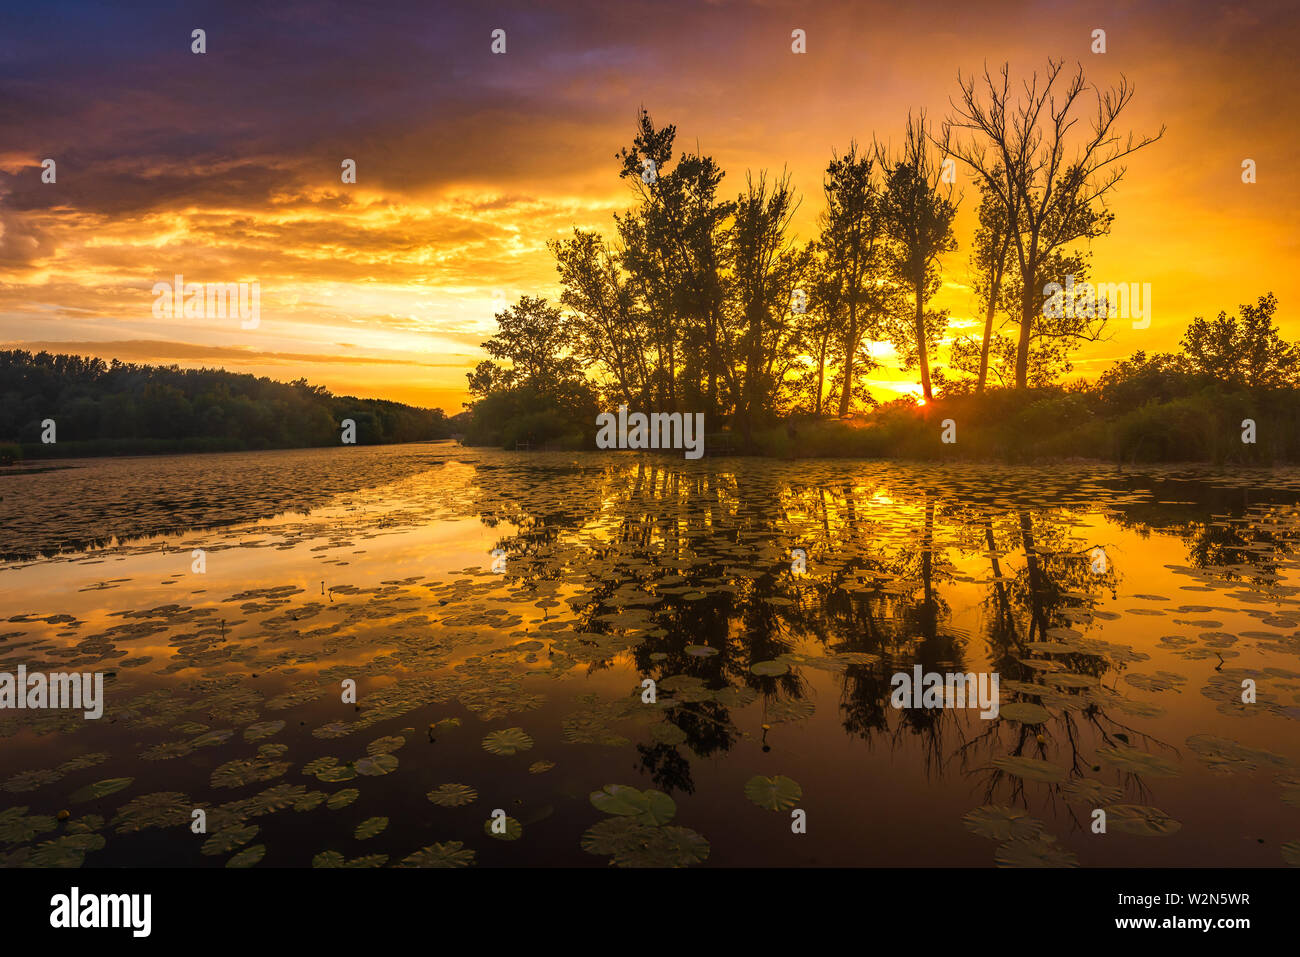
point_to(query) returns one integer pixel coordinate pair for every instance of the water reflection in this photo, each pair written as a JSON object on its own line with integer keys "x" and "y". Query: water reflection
{"x": 618, "y": 569}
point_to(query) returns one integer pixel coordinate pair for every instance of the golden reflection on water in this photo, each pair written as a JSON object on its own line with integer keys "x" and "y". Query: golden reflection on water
{"x": 619, "y": 569}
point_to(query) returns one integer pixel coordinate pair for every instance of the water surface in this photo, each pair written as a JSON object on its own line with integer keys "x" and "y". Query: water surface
{"x": 514, "y": 681}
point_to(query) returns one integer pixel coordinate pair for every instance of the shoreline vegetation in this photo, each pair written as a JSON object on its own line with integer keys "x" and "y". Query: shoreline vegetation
{"x": 701, "y": 303}
{"x": 103, "y": 408}
{"x": 1157, "y": 409}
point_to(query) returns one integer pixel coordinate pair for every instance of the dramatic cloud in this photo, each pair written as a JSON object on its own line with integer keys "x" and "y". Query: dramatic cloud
{"x": 225, "y": 167}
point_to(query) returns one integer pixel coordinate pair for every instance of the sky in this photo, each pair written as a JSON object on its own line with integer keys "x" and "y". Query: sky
{"x": 225, "y": 167}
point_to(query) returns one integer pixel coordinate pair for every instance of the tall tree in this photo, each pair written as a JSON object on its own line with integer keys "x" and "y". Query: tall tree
{"x": 607, "y": 330}
{"x": 683, "y": 220}
{"x": 989, "y": 263}
{"x": 764, "y": 266}
{"x": 917, "y": 213}
{"x": 1022, "y": 151}
{"x": 851, "y": 244}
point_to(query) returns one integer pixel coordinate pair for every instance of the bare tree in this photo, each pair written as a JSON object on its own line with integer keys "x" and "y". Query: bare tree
{"x": 1051, "y": 180}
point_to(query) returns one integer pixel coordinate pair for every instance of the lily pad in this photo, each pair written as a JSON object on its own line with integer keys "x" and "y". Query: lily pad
{"x": 1041, "y": 851}
{"x": 1024, "y": 712}
{"x": 342, "y": 798}
{"x": 248, "y": 856}
{"x": 450, "y": 854}
{"x": 507, "y": 742}
{"x": 227, "y": 839}
{"x": 100, "y": 789}
{"x": 374, "y": 766}
{"x": 1002, "y": 823}
{"x": 1138, "y": 761}
{"x": 1031, "y": 769}
{"x": 513, "y": 829}
{"x": 777, "y": 793}
{"x": 370, "y": 827}
{"x": 1139, "y": 820}
{"x": 452, "y": 795}
{"x": 646, "y": 807}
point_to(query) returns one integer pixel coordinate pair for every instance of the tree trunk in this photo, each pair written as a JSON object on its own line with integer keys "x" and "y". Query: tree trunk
{"x": 922, "y": 352}
{"x": 1028, "y": 307}
{"x": 984, "y": 350}
{"x": 846, "y": 391}
{"x": 821, "y": 374}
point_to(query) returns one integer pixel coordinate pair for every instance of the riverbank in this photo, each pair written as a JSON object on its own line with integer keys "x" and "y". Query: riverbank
{"x": 1208, "y": 426}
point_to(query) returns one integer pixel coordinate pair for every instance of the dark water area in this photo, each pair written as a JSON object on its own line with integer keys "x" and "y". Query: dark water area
{"x": 500, "y": 614}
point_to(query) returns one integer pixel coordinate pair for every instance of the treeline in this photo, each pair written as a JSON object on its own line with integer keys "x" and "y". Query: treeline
{"x": 101, "y": 408}
{"x": 702, "y": 301}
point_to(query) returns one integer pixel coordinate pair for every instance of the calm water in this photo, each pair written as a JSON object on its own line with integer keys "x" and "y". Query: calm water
{"x": 519, "y": 688}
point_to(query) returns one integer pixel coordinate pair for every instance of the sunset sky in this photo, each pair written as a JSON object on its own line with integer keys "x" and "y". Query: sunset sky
{"x": 225, "y": 167}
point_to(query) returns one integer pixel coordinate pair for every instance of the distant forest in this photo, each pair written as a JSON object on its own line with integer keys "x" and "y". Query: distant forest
{"x": 704, "y": 302}
{"x": 119, "y": 408}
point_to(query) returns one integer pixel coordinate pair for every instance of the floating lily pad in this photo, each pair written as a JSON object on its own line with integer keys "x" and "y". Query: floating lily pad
{"x": 342, "y": 798}
{"x": 242, "y": 771}
{"x": 317, "y": 765}
{"x": 1024, "y": 712}
{"x": 1002, "y": 823}
{"x": 452, "y": 795}
{"x": 1040, "y": 851}
{"x": 263, "y": 729}
{"x": 777, "y": 793}
{"x": 1089, "y": 793}
{"x": 99, "y": 789}
{"x": 667, "y": 733}
{"x": 540, "y": 767}
{"x": 160, "y": 809}
{"x": 631, "y": 844}
{"x": 1137, "y": 761}
{"x": 333, "y": 775}
{"x": 227, "y": 839}
{"x": 507, "y": 742}
{"x": 16, "y": 826}
{"x": 1224, "y": 756}
{"x": 647, "y": 807}
{"x": 370, "y": 827}
{"x": 450, "y": 854}
{"x": 374, "y": 766}
{"x": 248, "y": 856}
{"x": 513, "y": 829}
{"x": 769, "y": 668}
{"x": 790, "y": 709}
{"x": 1139, "y": 820}
{"x": 1031, "y": 769}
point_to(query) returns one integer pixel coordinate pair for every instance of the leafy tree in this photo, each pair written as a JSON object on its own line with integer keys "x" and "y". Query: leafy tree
{"x": 1242, "y": 352}
{"x": 852, "y": 245}
{"x": 917, "y": 214}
